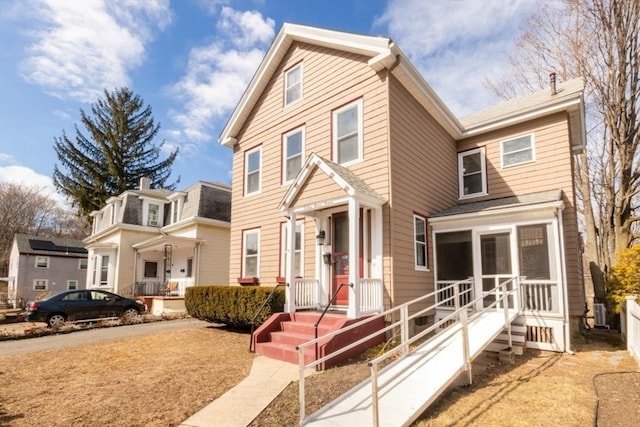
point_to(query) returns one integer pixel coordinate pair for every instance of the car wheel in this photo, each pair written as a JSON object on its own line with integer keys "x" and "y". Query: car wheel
{"x": 56, "y": 320}
{"x": 130, "y": 314}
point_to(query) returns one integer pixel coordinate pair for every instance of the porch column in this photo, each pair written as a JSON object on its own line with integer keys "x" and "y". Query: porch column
{"x": 320, "y": 268}
{"x": 353, "y": 312}
{"x": 290, "y": 290}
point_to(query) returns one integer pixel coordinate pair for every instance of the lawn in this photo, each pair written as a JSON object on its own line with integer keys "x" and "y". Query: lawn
{"x": 152, "y": 380}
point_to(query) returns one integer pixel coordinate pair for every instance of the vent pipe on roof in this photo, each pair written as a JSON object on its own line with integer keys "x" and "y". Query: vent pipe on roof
{"x": 552, "y": 83}
{"x": 145, "y": 183}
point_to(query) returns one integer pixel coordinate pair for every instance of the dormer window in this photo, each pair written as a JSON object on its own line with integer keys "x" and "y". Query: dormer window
{"x": 97, "y": 217}
{"x": 153, "y": 216}
{"x": 293, "y": 85}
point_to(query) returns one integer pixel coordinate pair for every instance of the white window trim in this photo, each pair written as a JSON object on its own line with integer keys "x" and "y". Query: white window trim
{"x": 146, "y": 202}
{"x": 41, "y": 256}
{"x": 245, "y": 234}
{"x": 424, "y": 267}
{"x": 46, "y": 284}
{"x": 285, "y": 154}
{"x": 286, "y": 85}
{"x": 483, "y": 171}
{"x": 246, "y": 171}
{"x": 144, "y": 269}
{"x": 69, "y": 284}
{"x": 533, "y": 151}
{"x": 284, "y": 228}
{"x": 335, "y": 114}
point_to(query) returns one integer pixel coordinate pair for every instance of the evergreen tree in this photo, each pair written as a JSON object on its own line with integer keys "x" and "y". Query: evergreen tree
{"x": 117, "y": 152}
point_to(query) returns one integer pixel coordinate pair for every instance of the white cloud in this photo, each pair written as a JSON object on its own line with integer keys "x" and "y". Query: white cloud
{"x": 83, "y": 47}
{"x": 457, "y": 45}
{"x": 6, "y": 158}
{"x": 28, "y": 177}
{"x": 218, "y": 73}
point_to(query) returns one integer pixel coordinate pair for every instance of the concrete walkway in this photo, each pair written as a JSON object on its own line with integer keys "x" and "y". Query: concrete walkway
{"x": 240, "y": 405}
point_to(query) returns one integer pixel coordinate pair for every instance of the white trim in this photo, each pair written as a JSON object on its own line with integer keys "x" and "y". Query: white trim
{"x": 417, "y": 267}
{"x": 48, "y": 259}
{"x": 483, "y": 173}
{"x": 287, "y": 87}
{"x": 69, "y": 283}
{"x": 359, "y": 129}
{"x": 284, "y": 244}
{"x": 285, "y": 152}
{"x": 46, "y": 284}
{"x": 248, "y": 153}
{"x": 245, "y": 235}
{"x": 532, "y": 148}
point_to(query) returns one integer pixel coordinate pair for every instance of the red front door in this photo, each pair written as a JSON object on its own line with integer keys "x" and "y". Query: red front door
{"x": 340, "y": 256}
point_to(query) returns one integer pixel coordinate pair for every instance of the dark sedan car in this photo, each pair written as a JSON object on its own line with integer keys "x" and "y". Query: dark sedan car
{"x": 82, "y": 305}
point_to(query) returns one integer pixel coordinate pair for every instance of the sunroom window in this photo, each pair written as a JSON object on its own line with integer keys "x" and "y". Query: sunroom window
{"x": 472, "y": 173}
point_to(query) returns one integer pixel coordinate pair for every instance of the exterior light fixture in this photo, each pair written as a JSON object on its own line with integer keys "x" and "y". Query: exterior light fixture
{"x": 320, "y": 237}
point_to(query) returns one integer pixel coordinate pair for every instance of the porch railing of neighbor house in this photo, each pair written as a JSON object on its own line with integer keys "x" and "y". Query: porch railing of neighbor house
{"x": 306, "y": 292}
{"x": 445, "y": 291}
{"x": 630, "y": 326}
{"x": 170, "y": 288}
{"x": 505, "y": 290}
{"x": 539, "y": 295}
{"x": 371, "y": 295}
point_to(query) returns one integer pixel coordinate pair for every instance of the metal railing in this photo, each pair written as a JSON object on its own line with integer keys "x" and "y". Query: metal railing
{"x": 324, "y": 312}
{"x": 258, "y": 311}
{"x": 459, "y": 316}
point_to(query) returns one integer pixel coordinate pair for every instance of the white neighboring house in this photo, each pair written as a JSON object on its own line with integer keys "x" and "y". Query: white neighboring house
{"x": 44, "y": 264}
{"x": 157, "y": 242}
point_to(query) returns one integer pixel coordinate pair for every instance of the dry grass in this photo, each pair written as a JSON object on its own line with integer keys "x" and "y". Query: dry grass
{"x": 152, "y": 380}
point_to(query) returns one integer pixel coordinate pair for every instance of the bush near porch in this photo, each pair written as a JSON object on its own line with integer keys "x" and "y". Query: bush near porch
{"x": 234, "y": 306}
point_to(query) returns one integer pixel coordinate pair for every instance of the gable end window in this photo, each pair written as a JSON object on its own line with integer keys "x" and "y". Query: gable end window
{"x": 347, "y": 133}
{"x": 517, "y": 151}
{"x": 420, "y": 242}
{"x": 293, "y": 85}
{"x": 252, "y": 171}
{"x": 472, "y": 173}
{"x": 251, "y": 253}
{"x": 42, "y": 262}
{"x": 292, "y": 154}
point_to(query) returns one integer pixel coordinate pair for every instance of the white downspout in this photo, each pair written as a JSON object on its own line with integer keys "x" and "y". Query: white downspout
{"x": 565, "y": 295}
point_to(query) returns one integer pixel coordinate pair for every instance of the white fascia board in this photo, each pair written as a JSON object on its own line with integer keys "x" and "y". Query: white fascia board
{"x": 565, "y": 105}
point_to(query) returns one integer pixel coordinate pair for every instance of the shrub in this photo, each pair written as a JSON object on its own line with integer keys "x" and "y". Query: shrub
{"x": 234, "y": 306}
{"x": 624, "y": 278}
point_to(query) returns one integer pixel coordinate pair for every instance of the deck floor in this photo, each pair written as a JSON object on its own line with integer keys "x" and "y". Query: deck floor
{"x": 408, "y": 386}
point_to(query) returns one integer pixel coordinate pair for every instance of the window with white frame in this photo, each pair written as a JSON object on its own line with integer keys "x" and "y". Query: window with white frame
{"x": 250, "y": 253}
{"x": 40, "y": 284}
{"x": 72, "y": 285}
{"x": 104, "y": 271}
{"x": 292, "y": 154}
{"x": 153, "y": 216}
{"x": 293, "y": 85}
{"x": 189, "y": 267}
{"x": 83, "y": 263}
{"x": 472, "y": 173}
{"x": 517, "y": 151}
{"x": 298, "y": 262}
{"x": 252, "y": 167}
{"x": 42, "y": 262}
{"x": 347, "y": 133}
{"x": 420, "y": 242}
{"x": 150, "y": 269}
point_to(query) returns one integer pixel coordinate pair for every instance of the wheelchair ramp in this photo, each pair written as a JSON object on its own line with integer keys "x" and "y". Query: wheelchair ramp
{"x": 409, "y": 385}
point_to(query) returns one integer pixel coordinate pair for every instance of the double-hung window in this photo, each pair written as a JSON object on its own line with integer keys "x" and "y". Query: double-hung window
{"x": 253, "y": 167}
{"x": 420, "y": 242}
{"x": 154, "y": 215}
{"x": 517, "y": 151}
{"x": 298, "y": 254}
{"x": 472, "y": 173}
{"x": 104, "y": 271}
{"x": 40, "y": 284}
{"x": 72, "y": 285}
{"x": 292, "y": 154}
{"x": 82, "y": 263}
{"x": 347, "y": 133}
{"x": 293, "y": 85}
{"x": 251, "y": 253}
{"x": 42, "y": 262}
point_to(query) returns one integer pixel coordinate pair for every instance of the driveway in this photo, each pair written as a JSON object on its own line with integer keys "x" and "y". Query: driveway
{"x": 90, "y": 336}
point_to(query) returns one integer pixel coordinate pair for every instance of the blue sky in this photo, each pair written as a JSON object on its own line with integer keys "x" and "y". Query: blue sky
{"x": 191, "y": 60}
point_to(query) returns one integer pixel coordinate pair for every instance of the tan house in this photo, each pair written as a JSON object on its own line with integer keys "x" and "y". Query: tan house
{"x": 157, "y": 242}
{"x": 340, "y": 138}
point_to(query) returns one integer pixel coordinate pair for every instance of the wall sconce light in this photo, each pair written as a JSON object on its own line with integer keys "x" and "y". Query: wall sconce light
{"x": 320, "y": 237}
{"x": 327, "y": 259}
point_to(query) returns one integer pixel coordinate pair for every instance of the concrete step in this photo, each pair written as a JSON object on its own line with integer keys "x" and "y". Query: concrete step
{"x": 284, "y": 352}
{"x": 290, "y": 338}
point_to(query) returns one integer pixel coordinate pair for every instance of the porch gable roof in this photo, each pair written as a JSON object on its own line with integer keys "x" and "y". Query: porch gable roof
{"x": 158, "y": 242}
{"x": 343, "y": 177}
{"x": 496, "y": 205}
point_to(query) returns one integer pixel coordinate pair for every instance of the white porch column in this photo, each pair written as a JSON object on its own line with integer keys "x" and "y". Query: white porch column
{"x": 353, "y": 312}
{"x": 290, "y": 291}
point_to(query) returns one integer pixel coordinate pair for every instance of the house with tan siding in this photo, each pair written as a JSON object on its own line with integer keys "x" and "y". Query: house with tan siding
{"x": 156, "y": 242}
{"x": 354, "y": 185}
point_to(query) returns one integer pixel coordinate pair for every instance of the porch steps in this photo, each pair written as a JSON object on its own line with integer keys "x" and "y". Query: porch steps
{"x": 279, "y": 336}
{"x": 518, "y": 340}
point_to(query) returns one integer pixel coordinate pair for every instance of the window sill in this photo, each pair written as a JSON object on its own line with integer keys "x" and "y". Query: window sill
{"x": 248, "y": 281}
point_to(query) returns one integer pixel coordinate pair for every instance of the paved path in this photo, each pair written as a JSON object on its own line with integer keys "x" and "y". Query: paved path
{"x": 90, "y": 336}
